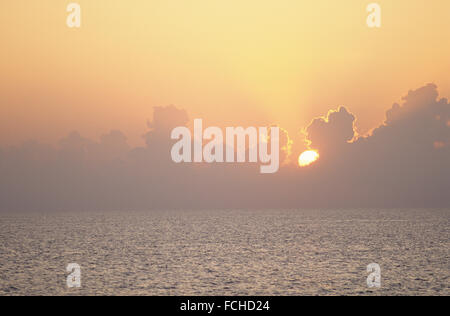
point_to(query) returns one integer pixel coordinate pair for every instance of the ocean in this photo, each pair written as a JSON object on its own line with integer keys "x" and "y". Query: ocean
{"x": 226, "y": 252}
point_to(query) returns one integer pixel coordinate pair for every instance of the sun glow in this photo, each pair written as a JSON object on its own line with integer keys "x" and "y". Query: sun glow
{"x": 307, "y": 158}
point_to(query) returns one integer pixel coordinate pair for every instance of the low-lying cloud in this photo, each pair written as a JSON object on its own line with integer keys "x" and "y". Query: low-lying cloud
{"x": 403, "y": 163}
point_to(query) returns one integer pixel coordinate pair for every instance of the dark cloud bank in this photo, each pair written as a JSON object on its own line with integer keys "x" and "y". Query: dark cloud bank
{"x": 403, "y": 163}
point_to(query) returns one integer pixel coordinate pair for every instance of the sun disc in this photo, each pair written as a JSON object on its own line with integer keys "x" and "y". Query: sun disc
{"x": 307, "y": 158}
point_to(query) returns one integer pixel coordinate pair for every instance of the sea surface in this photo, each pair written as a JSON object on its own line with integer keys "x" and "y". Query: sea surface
{"x": 234, "y": 252}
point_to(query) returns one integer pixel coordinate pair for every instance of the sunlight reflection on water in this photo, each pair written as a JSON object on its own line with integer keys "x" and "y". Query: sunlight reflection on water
{"x": 235, "y": 252}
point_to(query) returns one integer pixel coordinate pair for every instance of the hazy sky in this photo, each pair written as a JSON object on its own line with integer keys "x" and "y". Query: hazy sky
{"x": 228, "y": 62}
{"x": 404, "y": 163}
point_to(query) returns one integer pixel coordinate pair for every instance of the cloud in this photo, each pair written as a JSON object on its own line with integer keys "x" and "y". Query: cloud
{"x": 398, "y": 164}
{"x": 286, "y": 144}
{"x": 418, "y": 124}
{"x": 332, "y": 131}
{"x": 165, "y": 119}
{"x": 403, "y": 163}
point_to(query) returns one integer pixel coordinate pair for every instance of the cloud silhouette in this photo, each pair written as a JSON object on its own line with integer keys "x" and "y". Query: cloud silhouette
{"x": 398, "y": 164}
{"x": 165, "y": 119}
{"x": 403, "y": 163}
{"x": 419, "y": 123}
{"x": 332, "y": 131}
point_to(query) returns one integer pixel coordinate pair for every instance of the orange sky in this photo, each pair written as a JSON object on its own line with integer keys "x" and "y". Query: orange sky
{"x": 234, "y": 62}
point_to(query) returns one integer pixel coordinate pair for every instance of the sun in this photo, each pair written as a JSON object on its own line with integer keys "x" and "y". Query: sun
{"x": 307, "y": 158}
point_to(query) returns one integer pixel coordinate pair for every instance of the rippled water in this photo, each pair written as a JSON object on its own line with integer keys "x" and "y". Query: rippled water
{"x": 227, "y": 252}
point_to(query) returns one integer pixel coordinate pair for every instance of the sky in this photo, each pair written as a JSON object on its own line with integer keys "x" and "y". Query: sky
{"x": 230, "y": 63}
{"x": 86, "y": 114}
